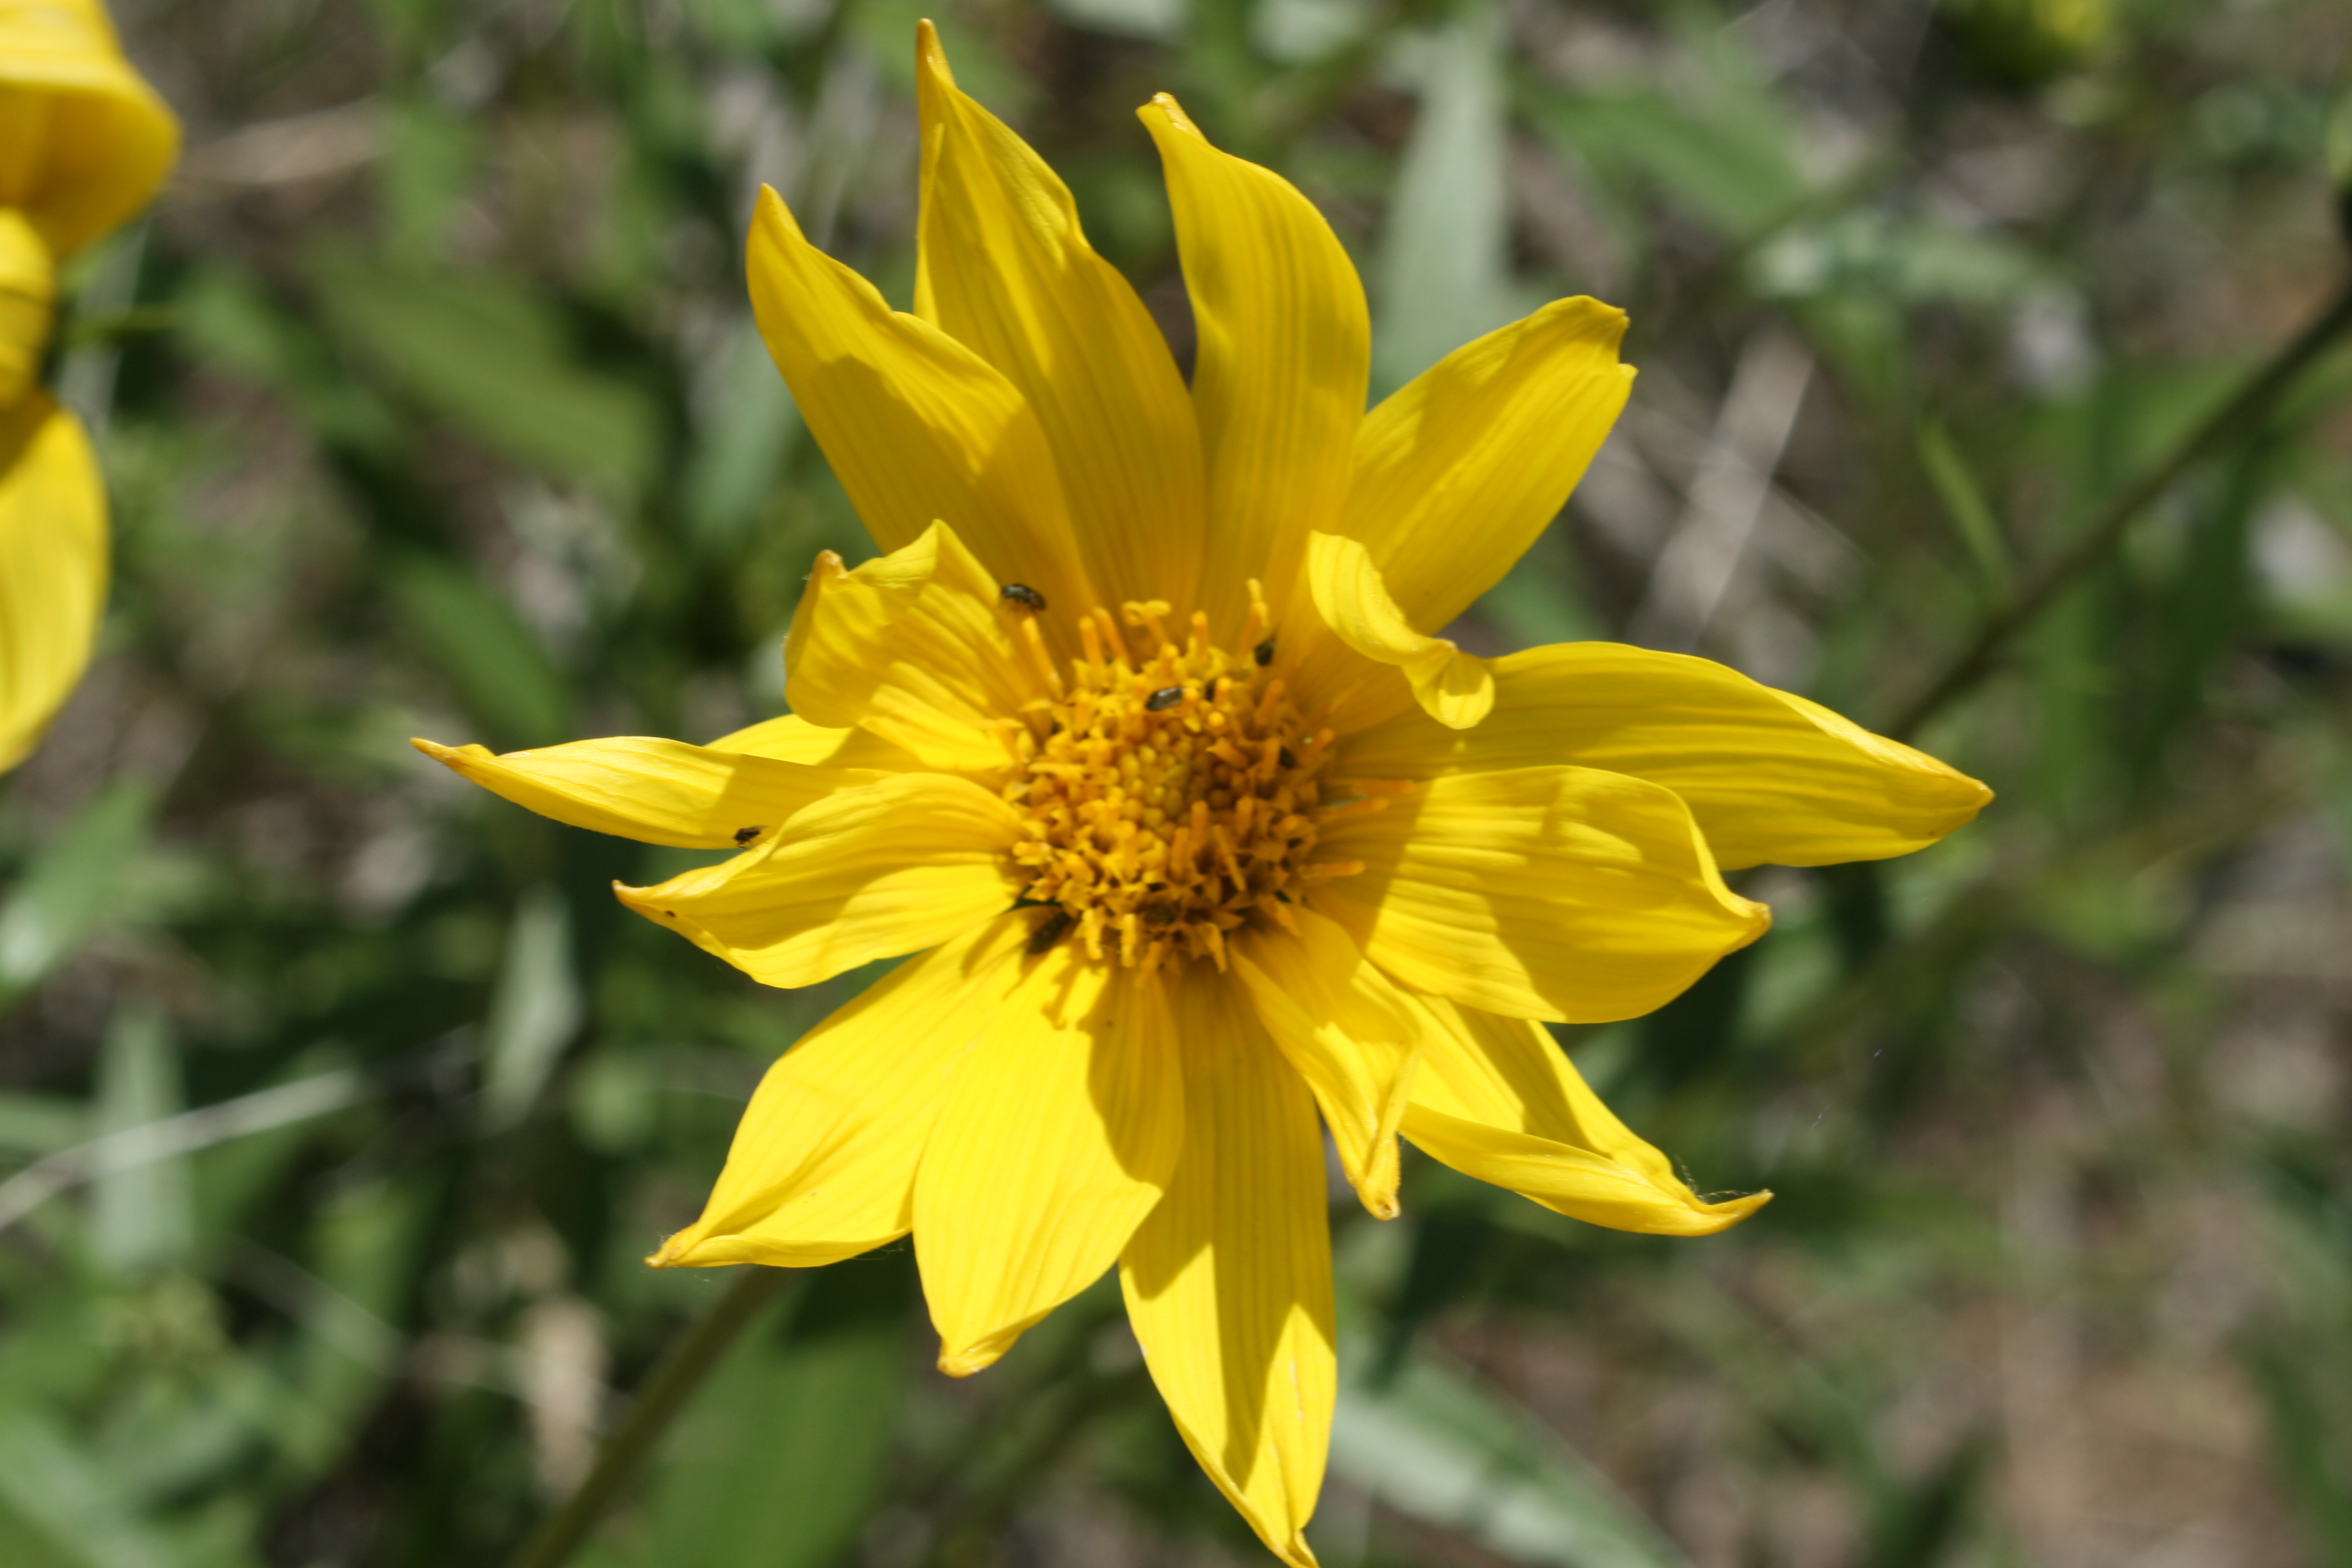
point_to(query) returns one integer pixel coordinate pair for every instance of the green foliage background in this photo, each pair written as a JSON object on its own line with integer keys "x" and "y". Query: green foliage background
{"x": 339, "y": 1102}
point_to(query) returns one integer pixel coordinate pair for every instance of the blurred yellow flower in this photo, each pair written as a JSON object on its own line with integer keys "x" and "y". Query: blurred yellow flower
{"x": 1138, "y": 735}
{"x": 83, "y": 145}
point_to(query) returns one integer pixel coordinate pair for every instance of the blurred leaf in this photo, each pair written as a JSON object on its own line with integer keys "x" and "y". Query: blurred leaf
{"x": 74, "y": 885}
{"x": 535, "y": 1011}
{"x": 746, "y": 435}
{"x": 781, "y": 1458}
{"x": 500, "y": 667}
{"x": 1921, "y": 1524}
{"x": 63, "y": 1501}
{"x": 2197, "y": 617}
{"x": 1305, "y": 32}
{"x": 1435, "y": 1444}
{"x": 1449, "y": 1243}
{"x": 1722, "y": 153}
{"x": 364, "y": 1255}
{"x": 2339, "y": 151}
{"x": 1537, "y": 600}
{"x": 1156, "y": 19}
{"x": 747, "y": 28}
{"x": 225, "y": 316}
{"x": 40, "y": 1123}
{"x": 2309, "y": 1441}
{"x": 432, "y": 157}
{"x": 1964, "y": 504}
{"x": 140, "y": 1210}
{"x": 491, "y": 355}
{"x": 1444, "y": 276}
{"x": 1868, "y": 252}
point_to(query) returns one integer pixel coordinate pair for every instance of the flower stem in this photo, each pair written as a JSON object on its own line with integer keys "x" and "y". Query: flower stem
{"x": 672, "y": 1383}
{"x": 2248, "y": 407}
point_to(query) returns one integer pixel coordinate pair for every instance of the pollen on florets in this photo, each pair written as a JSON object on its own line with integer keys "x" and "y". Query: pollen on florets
{"x": 1171, "y": 793}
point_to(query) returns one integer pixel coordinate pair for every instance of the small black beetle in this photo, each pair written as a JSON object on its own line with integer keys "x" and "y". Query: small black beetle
{"x": 1023, "y": 594}
{"x": 1165, "y": 698}
{"x": 1049, "y": 931}
{"x": 745, "y": 834}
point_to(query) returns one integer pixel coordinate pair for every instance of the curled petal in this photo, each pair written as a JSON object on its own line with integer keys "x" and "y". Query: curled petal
{"x": 1499, "y": 1100}
{"x": 917, "y": 647}
{"x": 1346, "y": 1029}
{"x": 1451, "y": 687}
{"x": 84, "y": 140}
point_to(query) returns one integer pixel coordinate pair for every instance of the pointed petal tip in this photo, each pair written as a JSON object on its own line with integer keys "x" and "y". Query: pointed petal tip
{"x": 930, "y": 56}
{"x": 1714, "y": 1218}
{"x": 1293, "y": 1551}
{"x": 770, "y": 210}
{"x": 639, "y": 899}
{"x": 1164, "y": 107}
{"x": 971, "y": 1359}
{"x": 456, "y": 759}
{"x": 1599, "y": 311}
{"x": 1758, "y": 918}
{"x": 1375, "y": 1185}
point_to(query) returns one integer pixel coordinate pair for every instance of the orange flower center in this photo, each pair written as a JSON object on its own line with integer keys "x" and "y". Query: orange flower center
{"x": 1171, "y": 794}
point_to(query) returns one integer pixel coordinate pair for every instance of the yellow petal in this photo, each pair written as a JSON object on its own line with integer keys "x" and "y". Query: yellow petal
{"x": 28, "y": 299}
{"x": 793, "y": 739}
{"x": 52, "y": 566}
{"x": 651, "y": 790}
{"x": 84, "y": 140}
{"x": 1004, "y": 268}
{"x": 1560, "y": 893}
{"x": 916, "y": 426}
{"x": 823, "y": 1165}
{"x": 917, "y": 647}
{"x": 869, "y": 872}
{"x": 1285, "y": 349}
{"x": 1229, "y": 1282}
{"x": 1457, "y": 472}
{"x": 1497, "y": 1100}
{"x": 1056, "y": 1138}
{"x": 1346, "y": 1030}
{"x": 1451, "y": 687}
{"x": 1771, "y": 777}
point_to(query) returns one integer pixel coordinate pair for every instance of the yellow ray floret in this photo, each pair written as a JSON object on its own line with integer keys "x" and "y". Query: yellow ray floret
{"x": 52, "y": 566}
{"x": 1228, "y": 1283}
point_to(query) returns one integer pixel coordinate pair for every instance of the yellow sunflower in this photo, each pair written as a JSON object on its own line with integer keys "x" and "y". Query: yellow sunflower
{"x": 1136, "y": 734}
{"x": 83, "y": 145}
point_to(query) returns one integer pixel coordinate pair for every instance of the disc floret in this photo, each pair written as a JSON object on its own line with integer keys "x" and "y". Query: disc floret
{"x": 1170, "y": 793}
